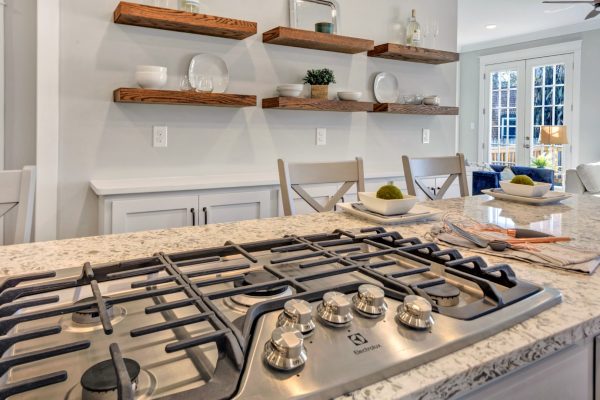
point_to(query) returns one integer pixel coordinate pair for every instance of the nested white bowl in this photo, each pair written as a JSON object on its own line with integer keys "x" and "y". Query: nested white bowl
{"x": 387, "y": 207}
{"x": 290, "y": 90}
{"x": 349, "y": 96}
{"x": 537, "y": 190}
{"x": 151, "y": 68}
{"x": 151, "y": 80}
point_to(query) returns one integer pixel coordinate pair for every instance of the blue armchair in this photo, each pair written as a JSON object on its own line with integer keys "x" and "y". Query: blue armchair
{"x": 491, "y": 179}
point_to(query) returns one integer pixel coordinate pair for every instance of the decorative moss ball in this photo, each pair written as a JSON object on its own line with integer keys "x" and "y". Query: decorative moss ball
{"x": 522, "y": 180}
{"x": 389, "y": 192}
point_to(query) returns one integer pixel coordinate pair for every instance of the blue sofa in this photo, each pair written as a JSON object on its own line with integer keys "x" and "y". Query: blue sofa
{"x": 491, "y": 179}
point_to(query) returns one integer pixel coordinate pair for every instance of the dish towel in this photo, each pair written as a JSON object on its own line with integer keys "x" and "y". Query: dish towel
{"x": 552, "y": 255}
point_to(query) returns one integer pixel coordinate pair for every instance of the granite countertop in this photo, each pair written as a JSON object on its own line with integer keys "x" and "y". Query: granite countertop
{"x": 577, "y": 318}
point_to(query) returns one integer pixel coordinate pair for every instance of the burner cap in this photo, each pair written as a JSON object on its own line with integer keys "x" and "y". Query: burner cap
{"x": 258, "y": 277}
{"x": 102, "y": 377}
{"x": 444, "y": 295}
{"x": 91, "y": 315}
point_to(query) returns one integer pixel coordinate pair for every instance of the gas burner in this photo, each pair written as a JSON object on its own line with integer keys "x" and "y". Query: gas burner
{"x": 258, "y": 277}
{"x": 99, "y": 382}
{"x": 246, "y": 300}
{"x": 444, "y": 295}
{"x": 89, "y": 319}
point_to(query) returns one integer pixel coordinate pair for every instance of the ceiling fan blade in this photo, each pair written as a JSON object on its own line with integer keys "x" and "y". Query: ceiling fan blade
{"x": 568, "y": 2}
{"x": 592, "y": 14}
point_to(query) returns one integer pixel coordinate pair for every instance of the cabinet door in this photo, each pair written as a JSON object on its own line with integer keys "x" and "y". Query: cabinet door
{"x": 153, "y": 213}
{"x": 230, "y": 207}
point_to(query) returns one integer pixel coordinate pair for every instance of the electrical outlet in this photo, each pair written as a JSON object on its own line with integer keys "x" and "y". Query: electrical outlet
{"x": 321, "y": 136}
{"x": 472, "y": 126}
{"x": 159, "y": 137}
{"x": 426, "y": 135}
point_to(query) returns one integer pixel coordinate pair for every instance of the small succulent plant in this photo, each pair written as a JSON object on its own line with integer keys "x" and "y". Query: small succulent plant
{"x": 319, "y": 77}
{"x": 522, "y": 180}
{"x": 389, "y": 192}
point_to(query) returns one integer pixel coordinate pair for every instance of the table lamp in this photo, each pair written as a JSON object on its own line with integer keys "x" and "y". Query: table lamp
{"x": 554, "y": 135}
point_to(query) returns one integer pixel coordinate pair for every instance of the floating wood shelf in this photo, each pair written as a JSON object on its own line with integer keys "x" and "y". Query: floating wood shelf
{"x": 181, "y": 21}
{"x": 174, "y": 97}
{"x": 316, "y": 40}
{"x": 296, "y": 103}
{"x": 400, "y": 52}
{"x": 411, "y": 109}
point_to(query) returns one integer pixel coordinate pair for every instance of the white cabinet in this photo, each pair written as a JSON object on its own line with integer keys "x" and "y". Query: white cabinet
{"x": 161, "y": 212}
{"x": 140, "y": 212}
{"x": 230, "y": 207}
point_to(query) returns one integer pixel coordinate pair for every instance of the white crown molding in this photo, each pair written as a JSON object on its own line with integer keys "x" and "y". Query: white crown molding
{"x": 529, "y": 37}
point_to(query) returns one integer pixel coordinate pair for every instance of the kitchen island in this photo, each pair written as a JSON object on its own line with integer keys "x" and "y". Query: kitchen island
{"x": 576, "y": 320}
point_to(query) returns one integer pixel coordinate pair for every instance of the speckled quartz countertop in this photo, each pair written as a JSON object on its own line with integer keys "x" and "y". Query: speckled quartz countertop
{"x": 577, "y": 318}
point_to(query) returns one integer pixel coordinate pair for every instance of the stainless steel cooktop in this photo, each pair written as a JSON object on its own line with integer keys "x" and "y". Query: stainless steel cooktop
{"x": 297, "y": 317}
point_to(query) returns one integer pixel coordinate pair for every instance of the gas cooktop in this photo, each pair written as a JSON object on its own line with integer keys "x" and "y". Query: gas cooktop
{"x": 298, "y": 317}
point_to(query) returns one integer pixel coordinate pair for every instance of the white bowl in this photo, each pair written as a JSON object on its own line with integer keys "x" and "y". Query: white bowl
{"x": 294, "y": 86}
{"x": 349, "y": 96}
{"x": 151, "y": 68}
{"x": 537, "y": 190}
{"x": 151, "y": 80}
{"x": 290, "y": 90}
{"x": 431, "y": 101}
{"x": 387, "y": 207}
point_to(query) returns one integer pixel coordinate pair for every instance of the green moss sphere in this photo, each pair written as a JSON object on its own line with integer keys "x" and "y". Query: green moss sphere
{"x": 389, "y": 192}
{"x": 522, "y": 180}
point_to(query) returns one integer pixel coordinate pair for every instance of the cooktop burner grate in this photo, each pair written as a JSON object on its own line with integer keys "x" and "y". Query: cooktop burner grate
{"x": 267, "y": 268}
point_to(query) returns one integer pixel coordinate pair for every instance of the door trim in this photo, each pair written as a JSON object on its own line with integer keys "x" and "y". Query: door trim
{"x": 573, "y": 47}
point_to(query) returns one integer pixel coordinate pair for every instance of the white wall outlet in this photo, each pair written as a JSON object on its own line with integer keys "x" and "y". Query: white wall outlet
{"x": 321, "y": 136}
{"x": 426, "y": 136}
{"x": 472, "y": 126}
{"x": 159, "y": 137}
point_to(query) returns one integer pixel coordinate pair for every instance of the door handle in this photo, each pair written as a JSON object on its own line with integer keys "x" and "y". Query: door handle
{"x": 205, "y": 210}
{"x": 193, "y": 211}
{"x": 526, "y": 146}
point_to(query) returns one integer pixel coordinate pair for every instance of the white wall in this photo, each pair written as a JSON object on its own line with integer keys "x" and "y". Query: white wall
{"x": 103, "y": 140}
{"x": 589, "y": 150}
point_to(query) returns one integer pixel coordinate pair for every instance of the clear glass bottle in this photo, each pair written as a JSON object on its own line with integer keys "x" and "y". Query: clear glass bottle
{"x": 413, "y": 31}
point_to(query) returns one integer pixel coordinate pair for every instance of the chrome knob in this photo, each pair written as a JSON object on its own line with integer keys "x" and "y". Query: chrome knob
{"x": 415, "y": 313}
{"x": 335, "y": 310}
{"x": 297, "y": 314}
{"x": 370, "y": 301}
{"x": 285, "y": 351}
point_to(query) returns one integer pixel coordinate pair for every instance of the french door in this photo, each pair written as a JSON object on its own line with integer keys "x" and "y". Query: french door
{"x": 521, "y": 97}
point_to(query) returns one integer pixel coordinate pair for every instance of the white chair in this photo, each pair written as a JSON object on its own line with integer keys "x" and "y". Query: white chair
{"x": 293, "y": 176}
{"x": 584, "y": 180}
{"x": 17, "y": 189}
{"x": 417, "y": 168}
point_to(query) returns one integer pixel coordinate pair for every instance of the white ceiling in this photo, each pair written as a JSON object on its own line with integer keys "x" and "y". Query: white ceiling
{"x": 516, "y": 18}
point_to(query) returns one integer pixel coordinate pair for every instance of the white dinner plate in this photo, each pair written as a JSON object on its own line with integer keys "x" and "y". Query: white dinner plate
{"x": 386, "y": 88}
{"x": 417, "y": 214}
{"x": 212, "y": 66}
{"x": 548, "y": 198}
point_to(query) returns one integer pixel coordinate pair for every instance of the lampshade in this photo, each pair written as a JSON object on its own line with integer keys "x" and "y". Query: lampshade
{"x": 554, "y": 135}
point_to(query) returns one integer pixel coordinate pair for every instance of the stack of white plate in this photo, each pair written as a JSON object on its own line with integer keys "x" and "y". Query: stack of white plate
{"x": 290, "y": 90}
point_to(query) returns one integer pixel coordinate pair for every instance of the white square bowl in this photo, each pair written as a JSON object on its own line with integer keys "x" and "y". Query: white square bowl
{"x": 537, "y": 190}
{"x": 387, "y": 207}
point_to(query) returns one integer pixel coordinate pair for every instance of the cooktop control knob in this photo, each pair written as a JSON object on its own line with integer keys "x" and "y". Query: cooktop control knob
{"x": 285, "y": 351}
{"x": 370, "y": 301}
{"x": 415, "y": 313}
{"x": 297, "y": 314}
{"x": 335, "y": 310}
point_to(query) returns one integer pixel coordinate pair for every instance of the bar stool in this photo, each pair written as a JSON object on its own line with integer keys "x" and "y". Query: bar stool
{"x": 17, "y": 189}
{"x": 416, "y": 169}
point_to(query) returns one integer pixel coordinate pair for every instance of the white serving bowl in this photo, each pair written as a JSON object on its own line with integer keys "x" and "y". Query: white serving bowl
{"x": 151, "y": 80}
{"x": 349, "y": 96}
{"x": 537, "y": 190}
{"x": 151, "y": 68}
{"x": 290, "y": 90}
{"x": 387, "y": 207}
{"x": 432, "y": 100}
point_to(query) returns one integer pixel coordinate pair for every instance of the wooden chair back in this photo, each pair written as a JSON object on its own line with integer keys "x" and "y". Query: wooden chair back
{"x": 417, "y": 168}
{"x": 293, "y": 176}
{"x": 17, "y": 189}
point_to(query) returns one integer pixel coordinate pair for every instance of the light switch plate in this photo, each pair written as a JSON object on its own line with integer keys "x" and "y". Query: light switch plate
{"x": 321, "y": 137}
{"x": 159, "y": 136}
{"x": 426, "y": 136}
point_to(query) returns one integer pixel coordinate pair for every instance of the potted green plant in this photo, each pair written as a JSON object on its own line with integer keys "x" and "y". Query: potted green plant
{"x": 540, "y": 161}
{"x": 319, "y": 81}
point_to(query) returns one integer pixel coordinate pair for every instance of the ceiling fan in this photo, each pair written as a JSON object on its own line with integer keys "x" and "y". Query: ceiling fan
{"x": 594, "y": 3}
